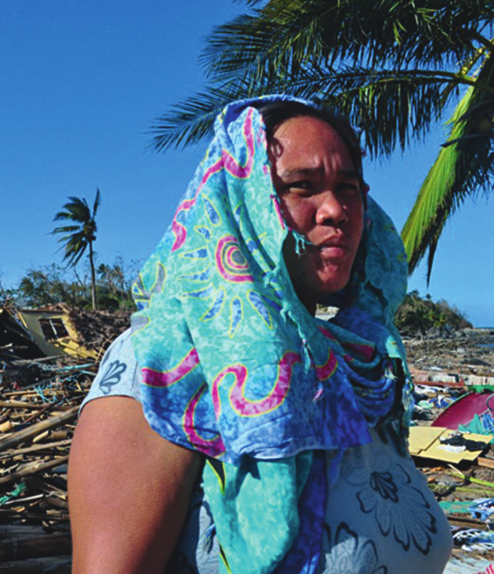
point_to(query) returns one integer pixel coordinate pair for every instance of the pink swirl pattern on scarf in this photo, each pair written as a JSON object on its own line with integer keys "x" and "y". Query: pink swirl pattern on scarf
{"x": 227, "y": 267}
{"x": 246, "y": 407}
{"x": 325, "y": 371}
{"x": 160, "y": 379}
{"x": 212, "y": 447}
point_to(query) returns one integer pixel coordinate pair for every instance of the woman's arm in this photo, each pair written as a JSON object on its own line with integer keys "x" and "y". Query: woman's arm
{"x": 129, "y": 490}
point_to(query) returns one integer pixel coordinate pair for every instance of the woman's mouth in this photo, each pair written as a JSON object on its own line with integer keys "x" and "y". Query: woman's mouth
{"x": 333, "y": 247}
{"x": 334, "y": 250}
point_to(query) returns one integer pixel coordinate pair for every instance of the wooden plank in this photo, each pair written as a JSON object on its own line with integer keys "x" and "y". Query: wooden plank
{"x": 48, "y": 545}
{"x": 37, "y": 448}
{"x": 20, "y": 405}
{"x": 46, "y": 409}
{"x": 33, "y": 469}
{"x": 456, "y": 472}
{"x": 486, "y": 462}
{"x": 33, "y": 430}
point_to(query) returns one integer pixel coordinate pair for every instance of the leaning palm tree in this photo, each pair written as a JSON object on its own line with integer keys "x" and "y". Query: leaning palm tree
{"x": 80, "y": 235}
{"x": 393, "y": 66}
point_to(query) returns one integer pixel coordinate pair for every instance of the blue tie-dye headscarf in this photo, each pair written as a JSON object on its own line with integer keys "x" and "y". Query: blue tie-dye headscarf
{"x": 234, "y": 366}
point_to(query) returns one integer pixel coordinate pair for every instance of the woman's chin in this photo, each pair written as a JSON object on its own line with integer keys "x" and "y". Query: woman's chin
{"x": 320, "y": 287}
{"x": 330, "y": 279}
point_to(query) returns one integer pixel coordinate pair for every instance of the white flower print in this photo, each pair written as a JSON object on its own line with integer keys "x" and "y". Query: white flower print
{"x": 349, "y": 554}
{"x": 400, "y": 509}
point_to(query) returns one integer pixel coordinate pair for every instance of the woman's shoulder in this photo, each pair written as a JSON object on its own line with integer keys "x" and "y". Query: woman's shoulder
{"x": 119, "y": 373}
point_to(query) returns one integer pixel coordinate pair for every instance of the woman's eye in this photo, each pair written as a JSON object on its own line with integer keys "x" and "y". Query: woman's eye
{"x": 299, "y": 186}
{"x": 349, "y": 187}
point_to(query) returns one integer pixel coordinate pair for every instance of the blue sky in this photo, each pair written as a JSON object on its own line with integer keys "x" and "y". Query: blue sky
{"x": 81, "y": 84}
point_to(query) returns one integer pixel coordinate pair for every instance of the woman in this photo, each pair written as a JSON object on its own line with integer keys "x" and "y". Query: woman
{"x": 303, "y": 423}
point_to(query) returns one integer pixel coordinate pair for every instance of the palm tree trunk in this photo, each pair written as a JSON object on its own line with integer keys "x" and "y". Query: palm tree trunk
{"x": 93, "y": 275}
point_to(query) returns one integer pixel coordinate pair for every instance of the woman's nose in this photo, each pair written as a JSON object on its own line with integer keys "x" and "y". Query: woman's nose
{"x": 330, "y": 210}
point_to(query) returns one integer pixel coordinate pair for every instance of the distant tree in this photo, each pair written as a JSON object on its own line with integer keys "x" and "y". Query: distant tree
{"x": 114, "y": 284}
{"x": 48, "y": 286}
{"x": 54, "y": 284}
{"x": 80, "y": 235}
{"x": 416, "y": 315}
{"x": 7, "y": 296}
{"x": 113, "y": 277}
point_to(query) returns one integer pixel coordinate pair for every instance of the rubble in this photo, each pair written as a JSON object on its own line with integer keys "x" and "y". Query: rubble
{"x": 58, "y": 330}
{"x": 38, "y": 412}
{"x": 446, "y": 367}
{"x": 459, "y": 354}
{"x": 40, "y": 399}
{"x": 98, "y": 329}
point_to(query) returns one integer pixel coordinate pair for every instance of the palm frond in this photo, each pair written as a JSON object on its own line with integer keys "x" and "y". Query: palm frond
{"x": 466, "y": 67}
{"x": 66, "y": 229}
{"x": 190, "y": 121}
{"x": 461, "y": 169}
{"x": 61, "y": 215}
{"x": 289, "y": 45}
{"x": 249, "y": 2}
{"x": 77, "y": 203}
{"x": 283, "y": 35}
{"x": 97, "y": 202}
{"x": 387, "y": 105}
{"x": 74, "y": 257}
{"x": 76, "y": 209}
{"x": 73, "y": 245}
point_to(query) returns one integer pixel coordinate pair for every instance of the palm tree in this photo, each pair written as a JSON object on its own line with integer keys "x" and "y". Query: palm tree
{"x": 80, "y": 235}
{"x": 394, "y": 67}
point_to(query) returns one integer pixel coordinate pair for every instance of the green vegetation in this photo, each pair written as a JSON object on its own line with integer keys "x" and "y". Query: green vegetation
{"x": 7, "y": 295}
{"x": 80, "y": 235}
{"x": 53, "y": 284}
{"x": 395, "y": 67}
{"x": 417, "y": 315}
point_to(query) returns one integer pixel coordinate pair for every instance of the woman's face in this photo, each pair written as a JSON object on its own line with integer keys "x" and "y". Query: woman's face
{"x": 320, "y": 197}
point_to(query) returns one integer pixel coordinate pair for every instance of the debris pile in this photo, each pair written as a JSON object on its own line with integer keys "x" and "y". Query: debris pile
{"x": 58, "y": 330}
{"x": 98, "y": 329}
{"x": 38, "y": 412}
{"x": 460, "y": 353}
{"x": 452, "y": 440}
